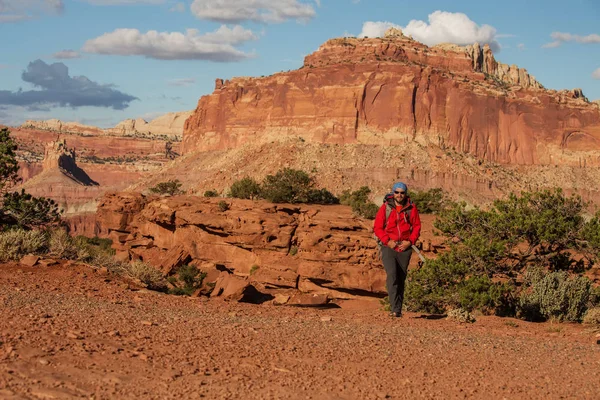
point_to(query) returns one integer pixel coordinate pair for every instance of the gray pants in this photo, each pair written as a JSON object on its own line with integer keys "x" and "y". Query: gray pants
{"x": 396, "y": 268}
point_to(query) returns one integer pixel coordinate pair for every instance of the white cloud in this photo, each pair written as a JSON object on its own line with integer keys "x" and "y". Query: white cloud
{"x": 596, "y": 74}
{"x": 561, "y": 37}
{"x": 212, "y": 46}
{"x": 181, "y": 82}
{"x": 179, "y": 7}
{"x": 263, "y": 11}
{"x": 20, "y": 10}
{"x": 123, "y": 2}
{"x": 521, "y": 46}
{"x": 66, "y": 54}
{"x": 443, "y": 27}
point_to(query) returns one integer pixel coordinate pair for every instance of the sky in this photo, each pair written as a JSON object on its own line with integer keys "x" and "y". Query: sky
{"x": 99, "y": 62}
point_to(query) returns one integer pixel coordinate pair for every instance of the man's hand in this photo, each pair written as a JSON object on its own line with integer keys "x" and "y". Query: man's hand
{"x": 392, "y": 244}
{"x": 405, "y": 245}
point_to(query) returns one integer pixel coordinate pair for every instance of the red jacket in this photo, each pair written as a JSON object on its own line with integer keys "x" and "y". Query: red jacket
{"x": 397, "y": 227}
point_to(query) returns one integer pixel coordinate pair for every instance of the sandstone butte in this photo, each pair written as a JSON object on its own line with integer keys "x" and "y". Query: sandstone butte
{"x": 76, "y": 164}
{"x": 390, "y": 90}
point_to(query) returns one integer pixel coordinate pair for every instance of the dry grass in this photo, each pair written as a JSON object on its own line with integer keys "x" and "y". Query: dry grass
{"x": 146, "y": 274}
{"x": 17, "y": 243}
{"x": 592, "y": 316}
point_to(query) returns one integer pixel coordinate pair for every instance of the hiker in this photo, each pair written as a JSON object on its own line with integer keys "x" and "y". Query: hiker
{"x": 397, "y": 225}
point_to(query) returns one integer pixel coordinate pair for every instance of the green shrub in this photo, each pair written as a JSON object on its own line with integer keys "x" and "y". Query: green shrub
{"x": 287, "y": 186}
{"x": 553, "y": 295}
{"x": 223, "y": 205}
{"x": 170, "y": 188}
{"x": 9, "y": 166}
{"x": 431, "y": 201}
{"x": 211, "y": 193}
{"x": 253, "y": 269}
{"x": 246, "y": 188}
{"x": 293, "y": 250}
{"x": 189, "y": 279}
{"x": 360, "y": 202}
{"x": 16, "y": 243}
{"x": 322, "y": 196}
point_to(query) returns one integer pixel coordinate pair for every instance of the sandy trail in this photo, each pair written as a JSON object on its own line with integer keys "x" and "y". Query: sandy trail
{"x": 70, "y": 332}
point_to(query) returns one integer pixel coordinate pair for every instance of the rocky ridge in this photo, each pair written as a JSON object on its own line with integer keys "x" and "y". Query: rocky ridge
{"x": 167, "y": 126}
{"x": 391, "y": 90}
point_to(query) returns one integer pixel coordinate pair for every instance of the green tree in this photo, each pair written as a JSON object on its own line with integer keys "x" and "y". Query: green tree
{"x": 170, "y": 188}
{"x": 245, "y": 188}
{"x": 27, "y": 211}
{"x": 9, "y": 167}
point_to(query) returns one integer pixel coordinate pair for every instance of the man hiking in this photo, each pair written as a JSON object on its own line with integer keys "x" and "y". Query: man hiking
{"x": 397, "y": 225}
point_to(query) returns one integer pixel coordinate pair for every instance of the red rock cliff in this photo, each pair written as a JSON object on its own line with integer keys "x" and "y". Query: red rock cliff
{"x": 394, "y": 89}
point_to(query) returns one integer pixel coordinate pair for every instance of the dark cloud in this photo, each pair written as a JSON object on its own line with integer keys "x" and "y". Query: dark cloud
{"x": 58, "y": 88}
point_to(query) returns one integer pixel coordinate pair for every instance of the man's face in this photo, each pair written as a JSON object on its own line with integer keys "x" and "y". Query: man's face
{"x": 399, "y": 195}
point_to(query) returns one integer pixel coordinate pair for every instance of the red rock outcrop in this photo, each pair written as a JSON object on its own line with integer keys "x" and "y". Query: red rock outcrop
{"x": 390, "y": 90}
{"x": 281, "y": 245}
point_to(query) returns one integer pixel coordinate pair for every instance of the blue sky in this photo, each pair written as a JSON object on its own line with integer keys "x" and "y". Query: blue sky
{"x": 101, "y": 61}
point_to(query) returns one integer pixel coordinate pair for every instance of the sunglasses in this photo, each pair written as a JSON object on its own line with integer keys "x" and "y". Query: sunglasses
{"x": 399, "y": 192}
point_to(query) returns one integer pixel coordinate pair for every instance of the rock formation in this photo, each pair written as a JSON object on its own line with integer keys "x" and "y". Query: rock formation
{"x": 391, "y": 90}
{"x": 167, "y": 126}
{"x": 282, "y": 245}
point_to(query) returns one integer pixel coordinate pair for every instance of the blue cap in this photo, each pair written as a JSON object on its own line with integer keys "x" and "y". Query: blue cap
{"x": 399, "y": 185}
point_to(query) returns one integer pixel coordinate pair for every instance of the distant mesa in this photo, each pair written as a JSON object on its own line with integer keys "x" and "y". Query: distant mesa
{"x": 395, "y": 90}
{"x": 168, "y": 126}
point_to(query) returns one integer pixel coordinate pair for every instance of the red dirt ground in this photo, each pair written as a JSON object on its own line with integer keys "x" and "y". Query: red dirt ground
{"x": 71, "y": 332}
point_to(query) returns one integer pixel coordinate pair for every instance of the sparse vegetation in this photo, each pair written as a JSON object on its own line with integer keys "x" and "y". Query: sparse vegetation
{"x": 360, "y": 202}
{"x": 253, "y": 269}
{"x": 533, "y": 235}
{"x": 431, "y": 201}
{"x": 146, "y": 274}
{"x": 169, "y": 188}
{"x": 246, "y": 188}
{"x": 16, "y": 243}
{"x": 211, "y": 193}
{"x": 187, "y": 280}
{"x": 461, "y": 315}
{"x": 223, "y": 206}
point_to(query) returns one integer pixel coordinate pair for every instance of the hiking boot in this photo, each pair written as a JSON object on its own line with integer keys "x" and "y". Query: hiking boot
{"x": 396, "y": 314}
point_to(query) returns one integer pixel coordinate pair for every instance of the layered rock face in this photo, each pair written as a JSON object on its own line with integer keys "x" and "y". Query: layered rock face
{"x": 282, "y": 245}
{"x": 167, "y": 126}
{"x": 391, "y": 90}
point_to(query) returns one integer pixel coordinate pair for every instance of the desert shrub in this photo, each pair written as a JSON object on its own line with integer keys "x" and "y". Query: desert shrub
{"x": 431, "y": 201}
{"x": 595, "y": 296}
{"x": 145, "y": 273}
{"x": 287, "y": 186}
{"x": 30, "y": 212}
{"x": 223, "y": 206}
{"x": 253, "y": 269}
{"x": 360, "y": 202}
{"x": 245, "y": 188}
{"x": 16, "y": 243}
{"x": 592, "y": 316}
{"x": 189, "y": 279}
{"x": 170, "y": 188}
{"x": 480, "y": 293}
{"x": 461, "y": 315}
{"x": 211, "y": 193}
{"x": 385, "y": 304}
{"x": 590, "y": 235}
{"x": 293, "y": 250}
{"x": 553, "y": 295}
{"x": 62, "y": 245}
{"x": 322, "y": 196}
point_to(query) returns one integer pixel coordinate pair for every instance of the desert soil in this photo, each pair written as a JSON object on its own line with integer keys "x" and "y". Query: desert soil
{"x": 69, "y": 331}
